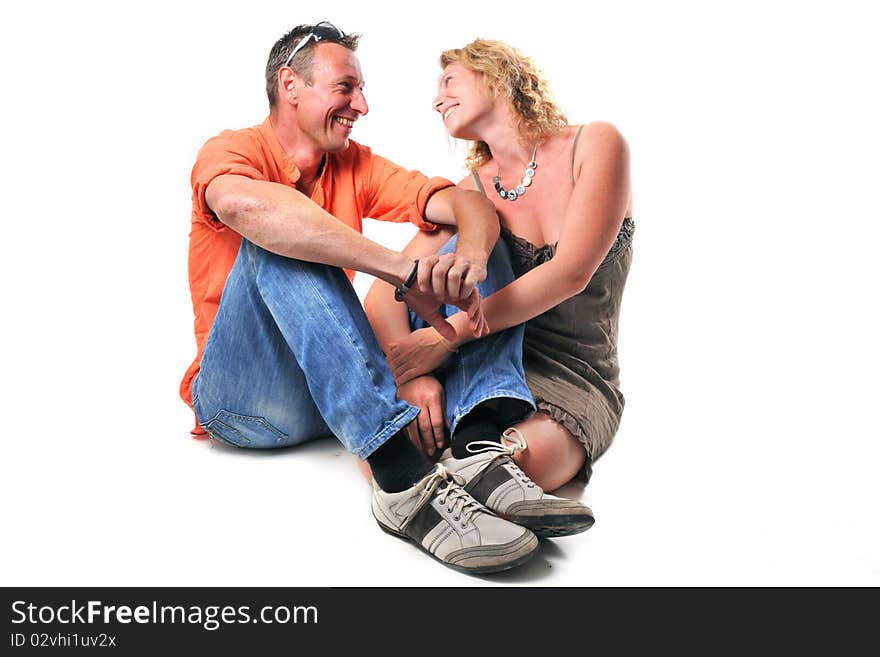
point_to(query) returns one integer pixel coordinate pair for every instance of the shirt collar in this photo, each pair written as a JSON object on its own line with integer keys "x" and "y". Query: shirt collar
{"x": 268, "y": 133}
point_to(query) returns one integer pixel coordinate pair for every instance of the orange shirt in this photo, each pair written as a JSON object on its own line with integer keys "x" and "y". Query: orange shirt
{"x": 354, "y": 184}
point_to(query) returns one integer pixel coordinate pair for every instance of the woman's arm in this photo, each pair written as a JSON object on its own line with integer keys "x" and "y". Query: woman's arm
{"x": 591, "y": 223}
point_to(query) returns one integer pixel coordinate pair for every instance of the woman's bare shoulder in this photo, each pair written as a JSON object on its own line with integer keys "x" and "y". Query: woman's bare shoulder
{"x": 603, "y": 133}
{"x": 584, "y": 137}
{"x": 602, "y": 140}
{"x": 467, "y": 183}
{"x": 603, "y": 152}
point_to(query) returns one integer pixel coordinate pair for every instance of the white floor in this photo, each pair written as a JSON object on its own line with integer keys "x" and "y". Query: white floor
{"x": 158, "y": 508}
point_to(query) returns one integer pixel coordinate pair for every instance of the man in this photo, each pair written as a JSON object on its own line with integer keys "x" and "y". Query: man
{"x": 285, "y": 352}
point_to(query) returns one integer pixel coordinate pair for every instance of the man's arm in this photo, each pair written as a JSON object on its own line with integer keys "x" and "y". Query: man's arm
{"x": 285, "y": 221}
{"x": 454, "y": 276}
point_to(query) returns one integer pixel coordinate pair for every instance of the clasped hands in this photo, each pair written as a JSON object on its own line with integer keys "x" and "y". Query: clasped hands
{"x": 449, "y": 279}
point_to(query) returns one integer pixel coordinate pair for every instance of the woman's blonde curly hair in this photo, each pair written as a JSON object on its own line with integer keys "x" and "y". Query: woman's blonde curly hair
{"x": 510, "y": 75}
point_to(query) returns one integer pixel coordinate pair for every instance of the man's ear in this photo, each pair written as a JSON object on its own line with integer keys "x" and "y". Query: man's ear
{"x": 288, "y": 82}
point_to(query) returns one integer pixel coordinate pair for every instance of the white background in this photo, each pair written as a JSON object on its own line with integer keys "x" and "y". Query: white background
{"x": 749, "y": 451}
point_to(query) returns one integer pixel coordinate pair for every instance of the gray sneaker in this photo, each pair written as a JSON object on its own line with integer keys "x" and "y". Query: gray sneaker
{"x": 492, "y": 478}
{"x": 443, "y": 520}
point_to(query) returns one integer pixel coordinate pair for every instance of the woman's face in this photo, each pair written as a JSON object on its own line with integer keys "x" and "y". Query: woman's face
{"x": 462, "y": 101}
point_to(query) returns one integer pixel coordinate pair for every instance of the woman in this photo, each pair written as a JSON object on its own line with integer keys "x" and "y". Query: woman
{"x": 561, "y": 186}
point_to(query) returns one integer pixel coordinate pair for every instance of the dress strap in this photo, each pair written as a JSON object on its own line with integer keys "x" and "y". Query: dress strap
{"x": 478, "y": 183}
{"x": 573, "y": 151}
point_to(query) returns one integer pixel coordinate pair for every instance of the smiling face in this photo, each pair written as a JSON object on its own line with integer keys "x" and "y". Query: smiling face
{"x": 327, "y": 108}
{"x": 463, "y": 102}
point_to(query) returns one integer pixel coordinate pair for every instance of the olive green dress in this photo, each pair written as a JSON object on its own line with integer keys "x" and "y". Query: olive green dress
{"x": 570, "y": 351}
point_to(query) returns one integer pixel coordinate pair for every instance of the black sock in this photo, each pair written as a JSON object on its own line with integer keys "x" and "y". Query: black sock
{"x": 480, "y": 424}
{"x": 398, "y": 464}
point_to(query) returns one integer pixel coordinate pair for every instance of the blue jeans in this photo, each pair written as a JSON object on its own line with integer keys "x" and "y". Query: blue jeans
{"x": 491, "y": 367}
{"x": 291, "y": 357}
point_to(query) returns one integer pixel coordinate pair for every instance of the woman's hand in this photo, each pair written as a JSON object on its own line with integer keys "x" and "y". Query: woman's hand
{"x": 473, "y": 307}
{"x": 421, "y": 352}
{"x": 428, "y": 432}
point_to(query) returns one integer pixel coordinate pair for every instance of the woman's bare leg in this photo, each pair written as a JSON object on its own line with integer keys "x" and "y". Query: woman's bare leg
{"x": 553, "y": 456}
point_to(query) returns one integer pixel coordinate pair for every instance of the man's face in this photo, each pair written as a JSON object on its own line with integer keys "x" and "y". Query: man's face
{"x": 327, "y": 109}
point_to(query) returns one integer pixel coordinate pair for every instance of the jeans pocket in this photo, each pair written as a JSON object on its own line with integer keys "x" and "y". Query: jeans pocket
{"x": 244, "y": 430}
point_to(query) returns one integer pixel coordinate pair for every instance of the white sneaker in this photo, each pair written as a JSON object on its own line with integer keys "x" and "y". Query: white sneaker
{"x": 492, "y": 478}
{"x": 443, "y": 520}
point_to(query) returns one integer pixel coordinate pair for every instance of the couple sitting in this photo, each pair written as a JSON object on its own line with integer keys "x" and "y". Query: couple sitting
{"x": 506, "y": 347}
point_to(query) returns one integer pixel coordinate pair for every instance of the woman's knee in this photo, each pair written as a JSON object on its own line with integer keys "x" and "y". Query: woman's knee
{"x": 553, "y": 456}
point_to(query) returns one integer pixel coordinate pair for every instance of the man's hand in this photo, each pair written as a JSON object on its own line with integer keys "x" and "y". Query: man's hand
{"x": 427, "y": 306}
{"x": 452, "y": 277}
{"x": 428, "y": 433}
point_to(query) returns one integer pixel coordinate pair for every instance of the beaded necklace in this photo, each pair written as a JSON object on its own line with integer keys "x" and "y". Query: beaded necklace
{"x": 519, "y": 190}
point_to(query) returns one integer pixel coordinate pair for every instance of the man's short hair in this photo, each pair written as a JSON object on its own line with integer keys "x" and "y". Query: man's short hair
{"x": 303, "y": 62}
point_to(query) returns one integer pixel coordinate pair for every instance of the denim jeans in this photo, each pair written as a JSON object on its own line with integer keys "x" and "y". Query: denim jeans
{"x": 291, "y": 357}
{"x": 491, "y": 367}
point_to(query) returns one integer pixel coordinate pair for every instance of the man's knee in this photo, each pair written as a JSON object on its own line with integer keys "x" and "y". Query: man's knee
{"x": 450, "y": 245}
{"x": 499, "y": 268}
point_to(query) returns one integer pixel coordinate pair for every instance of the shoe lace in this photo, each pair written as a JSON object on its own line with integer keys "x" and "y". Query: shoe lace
{"x": 516, "y": 442}
{"x": 460, "y": 502}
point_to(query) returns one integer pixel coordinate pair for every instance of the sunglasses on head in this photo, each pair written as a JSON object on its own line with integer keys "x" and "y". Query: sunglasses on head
{"x": 323, "y": 31}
